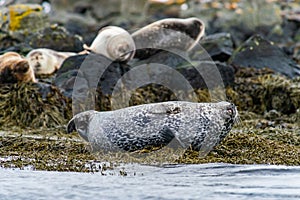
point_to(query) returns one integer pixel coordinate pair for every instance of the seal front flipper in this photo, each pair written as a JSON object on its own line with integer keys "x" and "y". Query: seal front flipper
{"x": 158, "y": 141}
{"x": 166, "y": 135}
{"x": 145, "y": 143}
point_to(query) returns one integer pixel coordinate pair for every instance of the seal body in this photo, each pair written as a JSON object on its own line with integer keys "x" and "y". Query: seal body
{"x": 153, "y": 126}
{"x": 168, "y": 34}
{"x": 14, "y": 68}
{"x": 46, "y": 61}
{"x": 113, "y": 42}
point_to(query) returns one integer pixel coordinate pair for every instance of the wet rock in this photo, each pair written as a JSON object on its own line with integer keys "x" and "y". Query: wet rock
{"x": 260, "y": 53}
{"x": 56, "y": 38}
{"x": 219, "y": 46}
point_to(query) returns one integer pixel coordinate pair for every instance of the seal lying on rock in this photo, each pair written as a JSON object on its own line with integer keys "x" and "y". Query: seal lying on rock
{"x": 153, "y": 126}
{"x": 167, "y": 34}
{"x": 46, "y": 61}
{"x": 113, "y": 42}
{"x": 14, "y": 68}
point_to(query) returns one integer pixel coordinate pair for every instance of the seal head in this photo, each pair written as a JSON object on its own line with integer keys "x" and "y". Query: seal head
{"x": 46, "y": 61}
{"x": 14, "y": 68}
{"x": 113, "y": 42}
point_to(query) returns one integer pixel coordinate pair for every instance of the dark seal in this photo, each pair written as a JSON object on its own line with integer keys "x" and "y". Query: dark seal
{"x": 153, "y": 126}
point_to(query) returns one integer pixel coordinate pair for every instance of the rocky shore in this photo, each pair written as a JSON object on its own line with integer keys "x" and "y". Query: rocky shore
{"x": 253, "y": 44}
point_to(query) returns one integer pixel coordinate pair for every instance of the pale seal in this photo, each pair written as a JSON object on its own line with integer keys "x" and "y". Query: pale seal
{"x": 153, "y": 126}
{"x": 46, "y": 61}
{"x": 168, "y": 34}
{"x": 15, "y": 69}
{"x": 113, "y": 42}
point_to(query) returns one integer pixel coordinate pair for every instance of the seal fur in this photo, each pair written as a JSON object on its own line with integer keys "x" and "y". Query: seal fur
{"x": 14, "y": 68}
{"x": 153, "y": 126}
{"x": 46, "y": 61}
{"x": 113, "y": 42}
{"x": 166, "y": 34}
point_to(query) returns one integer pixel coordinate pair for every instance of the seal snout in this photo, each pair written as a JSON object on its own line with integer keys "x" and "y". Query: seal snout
{"x": 231, "y": 111}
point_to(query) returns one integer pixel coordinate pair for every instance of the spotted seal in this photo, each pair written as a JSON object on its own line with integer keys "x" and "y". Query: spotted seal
{"x": 153, "y": 126}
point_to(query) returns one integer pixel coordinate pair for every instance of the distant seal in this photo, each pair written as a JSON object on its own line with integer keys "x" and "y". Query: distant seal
{"x": 113, "y": 42}
{"x": 14, "y": 69}
{"x": 153, "y": 126}
{"x": 46, "y": 61}
{"x": 166, "y": 34}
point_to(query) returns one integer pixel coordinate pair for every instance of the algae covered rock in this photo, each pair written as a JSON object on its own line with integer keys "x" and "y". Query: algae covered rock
{"x": 18, "y": 21}
{"x": 23, "y": 18}
{"x": 32, "y": 105}
{"x": 57, "y": 38}
{"x": 260, "y": 91}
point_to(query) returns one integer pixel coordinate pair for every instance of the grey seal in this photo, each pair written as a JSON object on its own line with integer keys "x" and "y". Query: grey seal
{"x": 153, "y": 126}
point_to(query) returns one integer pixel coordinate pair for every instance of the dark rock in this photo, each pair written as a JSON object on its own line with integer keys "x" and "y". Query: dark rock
{"x": 92, "y": 71}
{"x": 260, "y": 53}
{"x": 219, "y": 46}
{"x": 208, "y": 74}
{"x": 56, "y": 38}
{"x": 45, "y": 89}
{"x": 200, "y": 74}
{"x": 168, "y": 58}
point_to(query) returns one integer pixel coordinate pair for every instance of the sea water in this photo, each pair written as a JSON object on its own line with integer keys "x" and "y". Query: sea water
{"x": 205, "y": 181}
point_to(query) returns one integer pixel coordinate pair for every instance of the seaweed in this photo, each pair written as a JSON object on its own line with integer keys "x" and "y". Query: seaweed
{"x": 24, "y": 106}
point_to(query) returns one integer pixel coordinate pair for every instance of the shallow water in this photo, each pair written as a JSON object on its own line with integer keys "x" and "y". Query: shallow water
{"x": 207, "y": 181}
